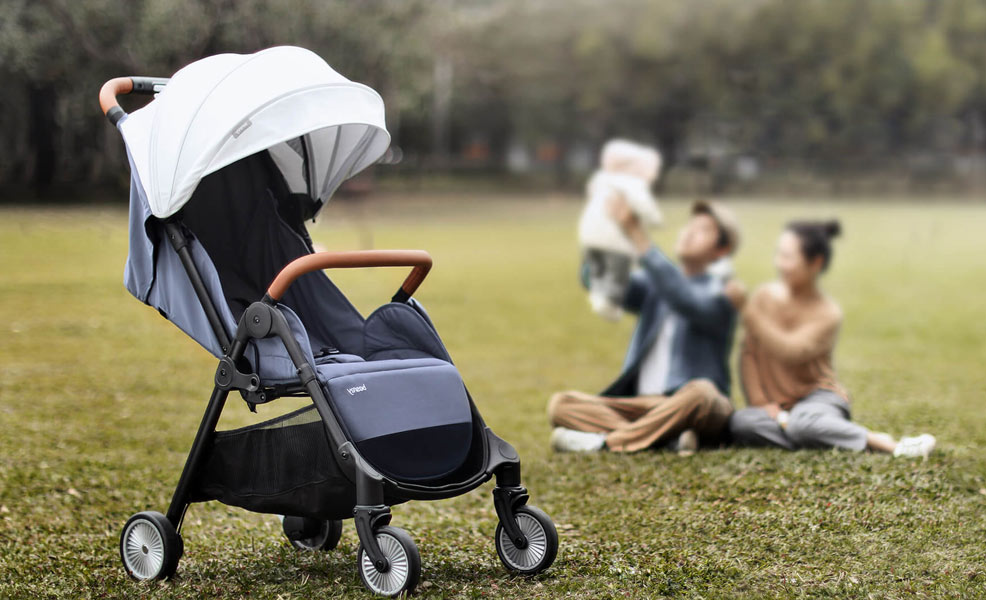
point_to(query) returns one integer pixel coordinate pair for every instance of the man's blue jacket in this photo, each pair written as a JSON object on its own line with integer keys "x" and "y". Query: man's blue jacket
{"x": 703, "y": 335}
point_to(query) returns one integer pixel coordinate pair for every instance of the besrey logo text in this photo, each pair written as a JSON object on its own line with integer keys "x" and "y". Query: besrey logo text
{"x": 355, "y": 390}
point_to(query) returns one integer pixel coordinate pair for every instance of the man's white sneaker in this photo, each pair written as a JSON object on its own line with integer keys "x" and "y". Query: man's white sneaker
{"x": 920, "y": 445}
{"x": 570, "y": 440}
{"x": 687, "y": 442}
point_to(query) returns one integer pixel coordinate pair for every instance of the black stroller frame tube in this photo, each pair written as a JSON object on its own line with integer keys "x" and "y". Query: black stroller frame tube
{"x": 217, "y": 401}
{"x": 180, "y": 243}
{"x": 179, "y": 501}
{"x": 263, "y": 320}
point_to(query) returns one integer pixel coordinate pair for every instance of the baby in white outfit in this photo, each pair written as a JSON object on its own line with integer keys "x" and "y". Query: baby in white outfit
{"x": 627, "y": 170}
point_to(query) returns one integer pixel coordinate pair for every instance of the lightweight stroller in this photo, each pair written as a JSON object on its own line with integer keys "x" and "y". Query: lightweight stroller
{"x": 228, "y": 161}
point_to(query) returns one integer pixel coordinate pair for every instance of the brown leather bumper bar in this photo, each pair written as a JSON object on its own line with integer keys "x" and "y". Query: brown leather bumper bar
{"x": 419, "y": 259}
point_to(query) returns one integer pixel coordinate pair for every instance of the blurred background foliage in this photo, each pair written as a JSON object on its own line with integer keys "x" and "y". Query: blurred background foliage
{"x": 751, "y": 96}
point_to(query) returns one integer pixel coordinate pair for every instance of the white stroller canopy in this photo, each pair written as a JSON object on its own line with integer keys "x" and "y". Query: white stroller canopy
{"x": 223, "y": 108}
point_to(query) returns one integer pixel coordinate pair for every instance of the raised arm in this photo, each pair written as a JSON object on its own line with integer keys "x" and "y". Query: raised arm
{"x": 708, "y": 310}
{"x": 638, "y": 288}
{"x": 801, "y": 344}
{"x": 643, "y": 204}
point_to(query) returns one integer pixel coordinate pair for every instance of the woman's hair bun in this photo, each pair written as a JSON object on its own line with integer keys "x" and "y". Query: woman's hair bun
{"x": 816, "y": 238}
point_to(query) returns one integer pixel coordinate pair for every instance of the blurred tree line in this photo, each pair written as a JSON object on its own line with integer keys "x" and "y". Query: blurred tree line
{"x": 832, "y": 87}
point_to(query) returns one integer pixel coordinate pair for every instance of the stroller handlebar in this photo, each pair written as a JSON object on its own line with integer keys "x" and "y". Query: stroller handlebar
{"x": 119, "y": 86}
{"x": 419, "y": 259}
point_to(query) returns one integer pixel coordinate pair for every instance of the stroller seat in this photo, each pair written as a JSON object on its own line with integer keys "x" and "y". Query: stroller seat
{"x": 405, "y": 410}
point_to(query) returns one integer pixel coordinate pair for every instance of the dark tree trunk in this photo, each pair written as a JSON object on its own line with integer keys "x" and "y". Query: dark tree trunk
{"x": 669, "y": 131}
{"x": 43, "y": 130}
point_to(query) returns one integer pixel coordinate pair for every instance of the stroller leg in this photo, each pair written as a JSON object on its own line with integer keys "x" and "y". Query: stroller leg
{"x": 151, "y": 544}
{"x": 227, "y": 376}
{"x": 388, "y": 561}
{"x": 370, "y": 515}
{"x": 179, "y": 501}
{"x": 526, "y": 539}
{"x": 508, "y": 495}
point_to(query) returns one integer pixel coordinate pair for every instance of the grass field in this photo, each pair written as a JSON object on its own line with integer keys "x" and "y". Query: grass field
{"x": 100, "y": 398}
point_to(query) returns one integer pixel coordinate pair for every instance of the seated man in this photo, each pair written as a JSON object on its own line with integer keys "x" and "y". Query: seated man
{"x": 675, "y": 379}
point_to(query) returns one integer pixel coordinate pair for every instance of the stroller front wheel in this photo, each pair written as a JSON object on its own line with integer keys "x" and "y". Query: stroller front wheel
{"x": 403, "y": 564}
{"x": 150, "y": 546}
{"x": 542, "y": 542}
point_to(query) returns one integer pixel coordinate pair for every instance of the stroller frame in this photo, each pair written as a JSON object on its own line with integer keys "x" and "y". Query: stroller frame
{"x": 375, "y": 492}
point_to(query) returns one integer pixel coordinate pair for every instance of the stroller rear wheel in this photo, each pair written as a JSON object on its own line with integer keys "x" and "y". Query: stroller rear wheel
{"x": 312, "y": 534}
{"x": 150, "y": 546}
{"x": 542, "y": 542}
{"x": 403, "y": 564}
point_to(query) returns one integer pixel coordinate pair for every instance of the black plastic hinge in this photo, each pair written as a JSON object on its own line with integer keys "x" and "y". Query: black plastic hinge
{"x": 228, "y": 377}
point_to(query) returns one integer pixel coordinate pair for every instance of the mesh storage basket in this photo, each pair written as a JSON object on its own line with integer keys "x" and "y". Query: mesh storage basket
{"x": 281, "y": 466}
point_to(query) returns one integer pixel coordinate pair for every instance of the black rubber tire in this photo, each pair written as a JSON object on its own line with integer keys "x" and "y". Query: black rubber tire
{"x": 542, "y": 538}
{"x": 411, "y": 562}
{"x": 327, "y": 538}
{"x": 157, "y": 556}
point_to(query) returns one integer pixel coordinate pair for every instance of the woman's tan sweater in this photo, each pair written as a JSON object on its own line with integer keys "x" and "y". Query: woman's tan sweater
{"x": 787, "y": 350}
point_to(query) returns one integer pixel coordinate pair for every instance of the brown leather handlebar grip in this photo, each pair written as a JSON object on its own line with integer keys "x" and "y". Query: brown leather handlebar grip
{"x": 355, "y": 259}
{"x": 135, "y": 84}
{"x": 111, "y": 89}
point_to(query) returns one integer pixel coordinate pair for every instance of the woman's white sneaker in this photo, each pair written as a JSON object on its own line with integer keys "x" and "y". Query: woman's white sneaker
{"x": 921, "y": 445}
{"x": 687, "y": 443}
{"x": 570, "y": 440}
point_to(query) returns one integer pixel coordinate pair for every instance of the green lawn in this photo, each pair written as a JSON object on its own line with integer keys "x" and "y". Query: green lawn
{"x": 100, "y": 398}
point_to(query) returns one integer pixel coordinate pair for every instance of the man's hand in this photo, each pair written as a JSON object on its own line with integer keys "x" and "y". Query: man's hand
{"x": 735, "y": 291}
{"x": 773, "y": 409}
{"x": 629, "y": 223}
{"x": 622, "y": 214}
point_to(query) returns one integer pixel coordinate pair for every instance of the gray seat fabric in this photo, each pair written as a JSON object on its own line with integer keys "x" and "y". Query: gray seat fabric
{"x": 410, "y": 418}
{"x": 401, "y": 331}
{"x": 391, "y": 396}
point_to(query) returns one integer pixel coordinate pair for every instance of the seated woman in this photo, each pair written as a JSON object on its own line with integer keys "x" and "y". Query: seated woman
{"x": 795, "y": 400}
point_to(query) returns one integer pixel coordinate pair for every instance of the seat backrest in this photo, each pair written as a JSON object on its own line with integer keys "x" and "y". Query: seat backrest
{"x": 249, "y": 224}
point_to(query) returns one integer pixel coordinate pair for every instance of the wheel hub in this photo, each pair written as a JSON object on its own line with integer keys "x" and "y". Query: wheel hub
{"x": 534, "y": 544}
{"x": 143, "y": 550}
{"x": 391, "y": 579}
